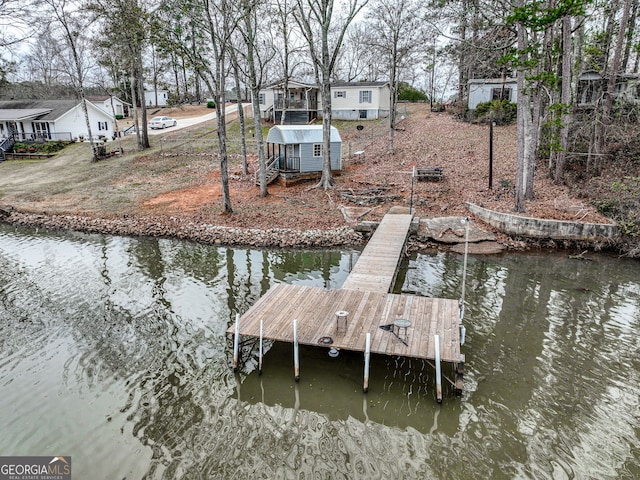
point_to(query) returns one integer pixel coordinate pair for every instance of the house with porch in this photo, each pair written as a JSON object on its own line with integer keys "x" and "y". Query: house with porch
{"x": 591, "y": 87}
{"x": 303, "y": 102}
{"x": 294, "y": 152}
{"x": 299, "y": 102}
{"x": 488, "y": 89}
{"x": 43, "y": 120}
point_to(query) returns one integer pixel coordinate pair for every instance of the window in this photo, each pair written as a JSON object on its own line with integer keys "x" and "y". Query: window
{"x": 340, "y": 94}
{"x": 363, "y": 114}
{"x": 41, "y": 129}
{"x": 261, "y": 99}
{"x": 317, "y": 149}
{"x": 365, "y": 96}
{"x": 103, "y": 126}
{"x": 501, "y": 94}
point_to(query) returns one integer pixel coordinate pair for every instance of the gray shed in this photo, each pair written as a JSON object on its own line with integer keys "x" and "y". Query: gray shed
{"x": 298, "y": 148}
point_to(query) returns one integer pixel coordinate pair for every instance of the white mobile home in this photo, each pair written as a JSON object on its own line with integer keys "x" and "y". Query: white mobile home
{"x": 360, "y": 100}
{"x": 488, "y": 89}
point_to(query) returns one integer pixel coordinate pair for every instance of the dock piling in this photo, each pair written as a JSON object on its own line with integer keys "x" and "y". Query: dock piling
{"x": 367, "y": 355}
{"x": 236, "y": 343}
{"x": 296, "y": 355}
{"x": 438, "y": 371}
{"x": 260, "y": 352}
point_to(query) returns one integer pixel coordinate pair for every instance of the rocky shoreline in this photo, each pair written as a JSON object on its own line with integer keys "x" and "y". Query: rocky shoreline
{"x": 189, "y": 229}
{"x": 192, "y": 230}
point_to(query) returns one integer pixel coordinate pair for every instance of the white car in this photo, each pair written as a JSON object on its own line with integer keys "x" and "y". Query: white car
{"x": 162, "y": 122}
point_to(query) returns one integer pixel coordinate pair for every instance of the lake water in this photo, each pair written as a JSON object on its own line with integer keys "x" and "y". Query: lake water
{"x": 113, "y": 350}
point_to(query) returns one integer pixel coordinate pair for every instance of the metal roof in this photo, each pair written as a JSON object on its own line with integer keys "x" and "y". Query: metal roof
{"x": 291, "y": 134}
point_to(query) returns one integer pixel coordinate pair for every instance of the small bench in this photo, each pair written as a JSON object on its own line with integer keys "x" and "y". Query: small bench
{"x": 430, "y": 174}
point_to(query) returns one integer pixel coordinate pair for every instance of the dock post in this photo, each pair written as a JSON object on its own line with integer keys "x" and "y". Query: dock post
{"x": 438, "y": 372}
{"x": 296, "y": 357}
{"x": 236, "y": 343}
{"x": 260, "y": 352}
{"x": 367, "y": 355}
{"x": 459, "y": 377}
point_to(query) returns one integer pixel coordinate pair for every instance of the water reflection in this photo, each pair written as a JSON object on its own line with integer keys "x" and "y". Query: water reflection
{"x": 113, "y": 350}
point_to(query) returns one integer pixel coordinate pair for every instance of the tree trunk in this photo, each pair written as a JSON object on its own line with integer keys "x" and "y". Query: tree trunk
{"x": 630, "y": 30}
{"x": 611, "y": 84}
{"x": 243, "y": 130}
{"x": 523, "y": 104}
{"x": 144, "y": 138}
{"x": 565, "y": 98}
{"x": 326, "y": 181}
{"x": 393, "y": 100}
{"x": 224, "y": 156}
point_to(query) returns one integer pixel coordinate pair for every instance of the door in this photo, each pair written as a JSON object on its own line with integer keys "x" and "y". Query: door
{"x": 293, "y": 157}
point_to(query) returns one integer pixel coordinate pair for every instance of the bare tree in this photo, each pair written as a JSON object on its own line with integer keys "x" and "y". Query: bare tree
{"x": 129, "y": 42}
{"x": 324, "y": 35}
{"x": 396, "y": 34}
{"x": 67, "y": 17}
{"x": 257, "y": 60}
{"x": 613, "y": 73}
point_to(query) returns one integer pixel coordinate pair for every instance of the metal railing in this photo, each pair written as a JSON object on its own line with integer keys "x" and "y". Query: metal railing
{"x": 296, "y": 104}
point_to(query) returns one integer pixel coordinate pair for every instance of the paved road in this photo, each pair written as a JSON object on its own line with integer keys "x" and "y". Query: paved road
{"x": 188, "y": 122}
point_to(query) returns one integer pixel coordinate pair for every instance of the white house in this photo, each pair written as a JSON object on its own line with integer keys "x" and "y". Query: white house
{"x": 41, "y": 120}
{"x": 488, "y": 89}
{"x": 360, "y": 100}
{"x": 112, "y": 105}
{"x": 349, "y": 101}
{"x": 156, "y": 98}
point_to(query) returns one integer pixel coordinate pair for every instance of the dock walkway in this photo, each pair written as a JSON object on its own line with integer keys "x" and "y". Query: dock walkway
{"x": 376, "y": 269}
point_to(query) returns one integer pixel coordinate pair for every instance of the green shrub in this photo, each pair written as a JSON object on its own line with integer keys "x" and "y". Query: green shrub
{"x": 503, "y": 111}
{"x": 410, "y": 94}
{"x": 119, "y": 117}
{"x": 211, "y": 104}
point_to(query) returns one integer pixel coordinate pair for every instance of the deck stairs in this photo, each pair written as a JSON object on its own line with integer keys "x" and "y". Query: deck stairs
{"x": 5, "y": 146}
{"x": 272, "y": 171}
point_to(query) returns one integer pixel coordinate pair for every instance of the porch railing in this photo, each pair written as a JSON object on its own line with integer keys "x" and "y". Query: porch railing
{"x": 290, "y": 164}
{"x": 40, "y": 137}
{"x": 296, "y": 104}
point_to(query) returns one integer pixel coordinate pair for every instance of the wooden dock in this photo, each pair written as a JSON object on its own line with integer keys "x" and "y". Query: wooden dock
{"x": 363, "y": 308}
{"x": 376, "y": 269}
{"x": 315, "y": 310}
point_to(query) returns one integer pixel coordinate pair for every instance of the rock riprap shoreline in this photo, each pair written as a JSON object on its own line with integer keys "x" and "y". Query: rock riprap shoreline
{"x": 188, "y": 229}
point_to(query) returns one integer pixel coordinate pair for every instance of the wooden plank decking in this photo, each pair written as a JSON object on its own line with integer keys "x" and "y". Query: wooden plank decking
{"x": 375, "y": 270}
{"x": 315, "y": 307}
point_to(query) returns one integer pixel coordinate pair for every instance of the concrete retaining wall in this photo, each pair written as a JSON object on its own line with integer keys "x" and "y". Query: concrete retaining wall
{"x": 541, "y": 228}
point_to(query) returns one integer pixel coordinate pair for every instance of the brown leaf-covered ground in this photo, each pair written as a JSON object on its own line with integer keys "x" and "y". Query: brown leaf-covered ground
{"x": 423, "y": 139}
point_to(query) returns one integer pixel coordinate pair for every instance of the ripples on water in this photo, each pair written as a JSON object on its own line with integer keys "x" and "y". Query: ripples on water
{"x": 113, "y": 350}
